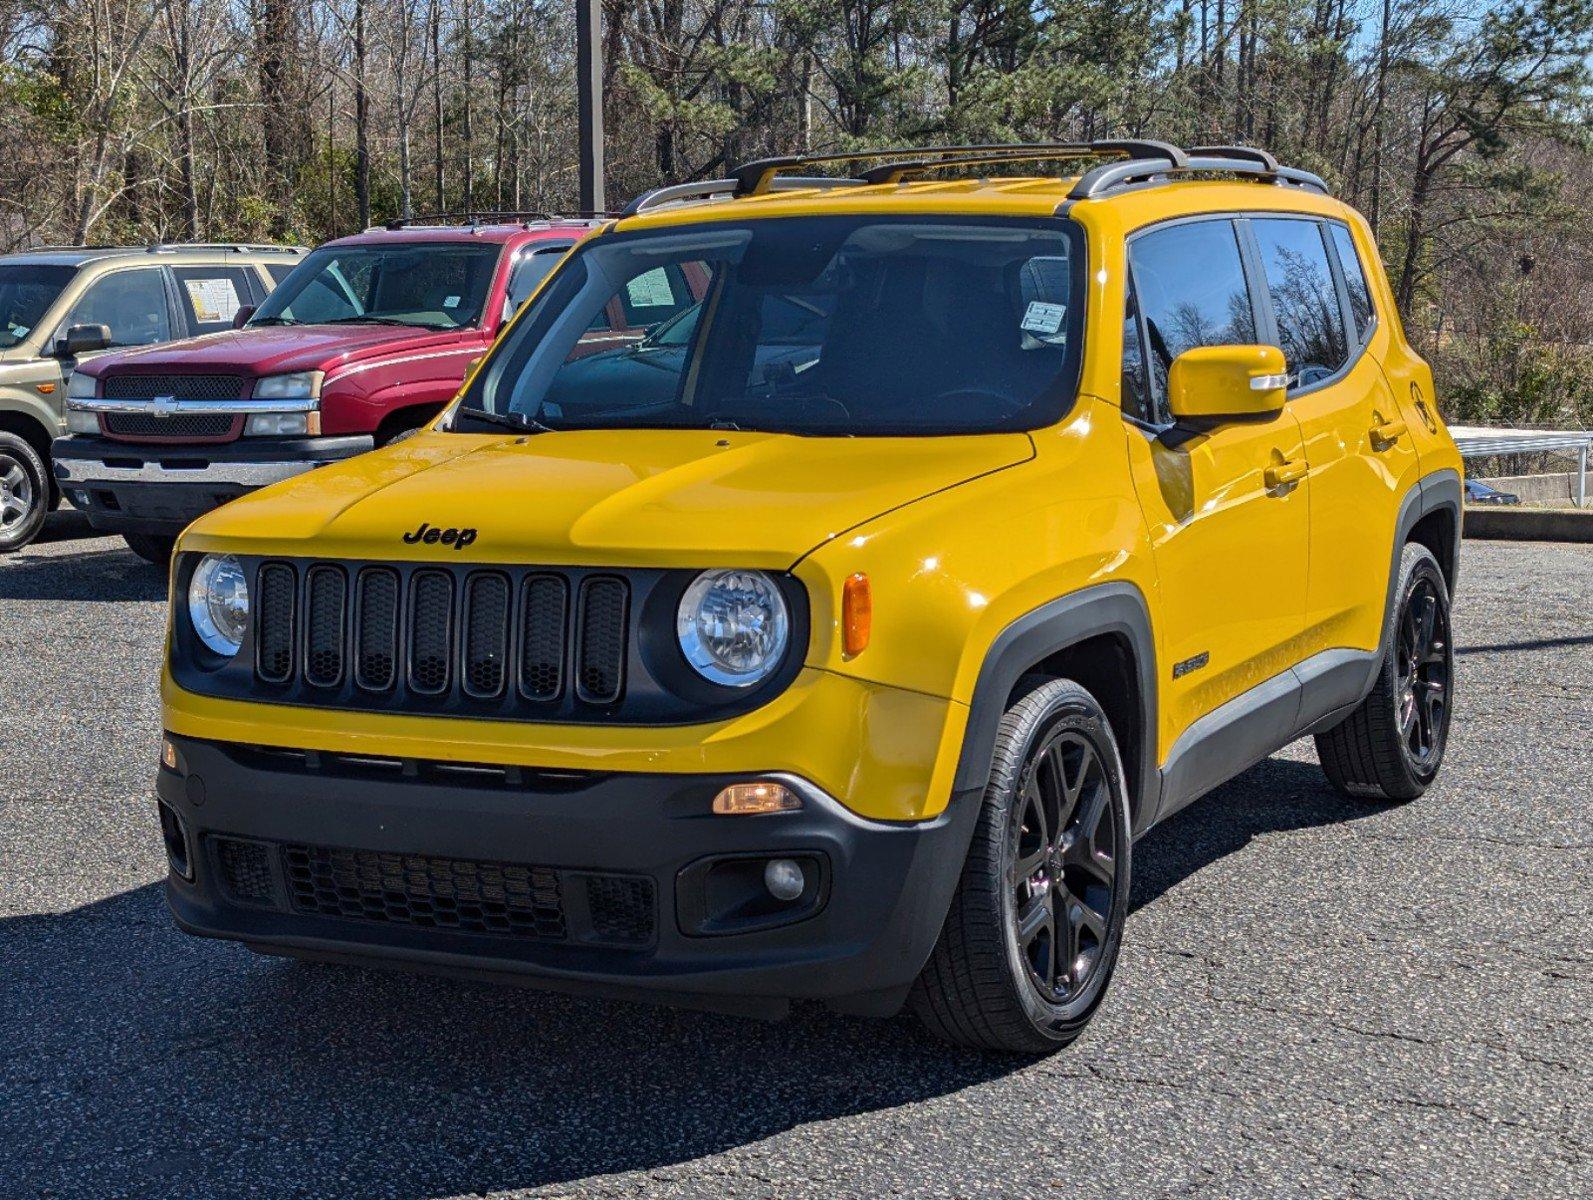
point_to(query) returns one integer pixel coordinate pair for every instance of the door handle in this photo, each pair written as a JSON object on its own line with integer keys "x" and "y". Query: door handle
{"x": 1284, "y": 473}
{"x": 1389, "y": 432}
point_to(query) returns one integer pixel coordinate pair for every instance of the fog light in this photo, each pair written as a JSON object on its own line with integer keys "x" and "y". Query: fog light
{"x": 784, "y": 879}
{"x": 740, "y": 799}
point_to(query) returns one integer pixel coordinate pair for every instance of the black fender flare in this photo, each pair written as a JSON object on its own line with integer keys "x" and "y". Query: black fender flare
{"x": 1117, "y": 609}
{"x": 1440, "y": 491}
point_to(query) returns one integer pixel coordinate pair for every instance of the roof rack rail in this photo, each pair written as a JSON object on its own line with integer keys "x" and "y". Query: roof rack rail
{"x": 503, "y": 216}
{"x": 704, "y": 189}
{"x": 232, "y": 247}
{"x": 983, "y": 156}
{"x": 1217, "y": 160}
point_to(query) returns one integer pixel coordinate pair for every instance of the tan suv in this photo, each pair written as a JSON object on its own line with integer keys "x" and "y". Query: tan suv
{"x": 61, "y": 305}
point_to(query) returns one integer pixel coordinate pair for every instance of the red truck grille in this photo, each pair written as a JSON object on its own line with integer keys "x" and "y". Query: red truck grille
{"x": 172, "y": 427}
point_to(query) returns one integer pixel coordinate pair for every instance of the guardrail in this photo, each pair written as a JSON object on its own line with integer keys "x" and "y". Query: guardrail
{"x": 1480, "y": 441}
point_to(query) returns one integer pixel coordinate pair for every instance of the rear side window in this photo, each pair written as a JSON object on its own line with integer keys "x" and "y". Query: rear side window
{"x": 211, "y": 296}
{"x": 279, "y": 271}
{"x": 1189, "y": 280}
{"x": 1355, "y": 280}
{"x": 1305, "y": 300}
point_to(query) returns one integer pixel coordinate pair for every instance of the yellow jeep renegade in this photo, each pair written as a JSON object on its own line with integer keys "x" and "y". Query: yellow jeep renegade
{"x": 836, "y": 637}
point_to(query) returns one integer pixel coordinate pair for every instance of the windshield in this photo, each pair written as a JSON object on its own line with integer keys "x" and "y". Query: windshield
{"x": 26, "y": 294}
{"x": 861, "y": 326}
{"x": 435, "y": 285}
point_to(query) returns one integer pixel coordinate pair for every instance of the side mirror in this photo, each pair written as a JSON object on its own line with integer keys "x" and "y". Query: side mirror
{"x": 1213, "y": 383}
{"x": 239, "y": 318}
{"x": 83, "y": 339}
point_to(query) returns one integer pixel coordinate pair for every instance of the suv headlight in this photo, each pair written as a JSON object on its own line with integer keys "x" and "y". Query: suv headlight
{"x": 301, "y": 385}
{"x": 81, "y": 386}
{"x": 733, "y": 626}
{"x": 218, "y": 603}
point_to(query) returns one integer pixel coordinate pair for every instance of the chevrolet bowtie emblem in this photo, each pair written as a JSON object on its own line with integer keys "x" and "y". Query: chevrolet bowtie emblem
{"x": 165, "y": 405}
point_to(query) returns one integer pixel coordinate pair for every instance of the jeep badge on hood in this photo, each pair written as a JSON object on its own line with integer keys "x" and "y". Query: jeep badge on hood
{"x": 430, "y": 534}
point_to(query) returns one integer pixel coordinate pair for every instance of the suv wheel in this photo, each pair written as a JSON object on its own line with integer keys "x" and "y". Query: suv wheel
{"x": 24, "y": 493}
{"x": 1390, "y": 748}
{"x": 153, "y": 548}
{"x": 1034, "y": 927}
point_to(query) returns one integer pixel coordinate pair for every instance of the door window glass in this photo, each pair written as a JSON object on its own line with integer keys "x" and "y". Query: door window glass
{"x": 528, "y": 272}
{"x": 1355, "y": 280}
{"x": 211, "y": 296}
{"x": 131, "y": 304}
{"x": 1190, "y": 284}
{"x": 656, "y": 295}
{"x": 1304, "y": 299}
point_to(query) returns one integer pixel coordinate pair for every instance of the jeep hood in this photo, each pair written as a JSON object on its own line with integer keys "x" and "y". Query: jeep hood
{"x": 603, "y": 497}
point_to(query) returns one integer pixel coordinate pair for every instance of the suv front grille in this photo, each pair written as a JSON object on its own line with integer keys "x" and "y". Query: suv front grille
{"x": 193, "y": 427}
{"x": 433, "y": 639}
{"x": 179, "y": 387}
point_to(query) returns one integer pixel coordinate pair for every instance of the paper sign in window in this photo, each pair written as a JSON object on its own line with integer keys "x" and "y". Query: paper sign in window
{"x": 651, "y": 290}
{"x": 215, "y": 301}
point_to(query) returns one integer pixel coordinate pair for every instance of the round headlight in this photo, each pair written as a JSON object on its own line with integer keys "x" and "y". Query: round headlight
{"x": 218, "y": 603}
{"x": 733, "y": 626}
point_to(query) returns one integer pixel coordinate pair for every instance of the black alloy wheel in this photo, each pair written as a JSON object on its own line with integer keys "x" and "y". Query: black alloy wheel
{"x": 1425, "y": 664}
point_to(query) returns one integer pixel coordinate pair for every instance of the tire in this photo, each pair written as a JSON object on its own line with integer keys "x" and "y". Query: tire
{"x": 1392, "y": 745}
{"x": 984, "y": 985}
{"x": 26, "y": 497}
{"x": 153, "y": 548}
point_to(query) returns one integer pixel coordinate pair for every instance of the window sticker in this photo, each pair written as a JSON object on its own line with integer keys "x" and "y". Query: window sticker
{"x": 214, "y": 301}
{"x": 1043, "y": 318}
{"x": 450, "y": 301}
{"x": 651, "y": 290}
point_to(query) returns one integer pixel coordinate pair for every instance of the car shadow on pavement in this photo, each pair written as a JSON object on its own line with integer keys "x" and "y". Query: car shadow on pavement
{"x": 137, "y": 1061}
{"x": 108, "y": 571}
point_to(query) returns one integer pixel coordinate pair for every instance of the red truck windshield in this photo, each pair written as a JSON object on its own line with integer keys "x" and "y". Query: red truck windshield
{"x": 432, "y": 285}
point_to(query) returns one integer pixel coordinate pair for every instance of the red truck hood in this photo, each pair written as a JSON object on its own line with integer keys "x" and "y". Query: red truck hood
{"x": 273, "y": 350}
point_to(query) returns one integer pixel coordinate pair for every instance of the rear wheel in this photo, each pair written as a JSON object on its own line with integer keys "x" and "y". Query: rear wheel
{"x": 1033, "y": 932}
{"x": 25, "y": 496}
{"x": 153, "y": 548}
{"x": 1390, "y": 748}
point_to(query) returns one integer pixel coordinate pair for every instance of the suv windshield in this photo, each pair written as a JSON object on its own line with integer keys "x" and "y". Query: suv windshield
{"x": 435, "y": 285}
{"x": 26, "y": 294}
{"x": 867, "y": 326}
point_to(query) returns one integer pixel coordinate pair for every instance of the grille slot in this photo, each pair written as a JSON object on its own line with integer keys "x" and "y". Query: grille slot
{"x": 179, "y": 425}
{"x": 325, "y": 603}
{"x": 274, "y": 625}
{"x": 415, "y": 889}
{"x": 431, "y": 619}
{"x": 544, "y": 617}
{"x": 376, "y": 626}
{"x": 621, "y": 908}
{"x": 245, "y": 870}
{"x": 180, "y": 387}
{"x": 486, "y": 629}
{"x": 600, "y": 665}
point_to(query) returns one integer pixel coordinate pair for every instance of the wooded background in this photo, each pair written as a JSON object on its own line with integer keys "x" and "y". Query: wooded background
{"x": 1459, "y": 129}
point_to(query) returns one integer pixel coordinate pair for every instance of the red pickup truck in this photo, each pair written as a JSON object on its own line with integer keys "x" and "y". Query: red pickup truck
{"x": 365, "y": 339}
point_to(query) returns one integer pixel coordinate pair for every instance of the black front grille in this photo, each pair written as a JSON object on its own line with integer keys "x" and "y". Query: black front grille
{"x": 179, "y": 387}
{"x": 416, "y": 889}
{"x": 435, "y": 639}
{"x": 245, "y": 870}
{"x": 177, "y": 425}
{"x": 621, "y": 907}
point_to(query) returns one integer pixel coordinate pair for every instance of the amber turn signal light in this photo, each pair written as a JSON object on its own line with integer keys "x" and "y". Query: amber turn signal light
{"x": 857, "y": 615}
{"x": 743, "y": 799}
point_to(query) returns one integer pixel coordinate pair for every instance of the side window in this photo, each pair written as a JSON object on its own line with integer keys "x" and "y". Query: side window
{"x": 1136, "y": 398}
{"x": 528, "y": 272}
{"x": 655, "y": 296}
{"x": 1189, "y": 280}
{"x": 131, "y": 304}
{"x": 211, "y": 296}
{"x": 1355, "y": 280}
{"x": 1305, "y": 300}
{"x": 279, "y": 271}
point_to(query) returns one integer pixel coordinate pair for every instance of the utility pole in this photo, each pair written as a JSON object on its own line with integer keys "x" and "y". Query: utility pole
{"x": 589, "y": 100}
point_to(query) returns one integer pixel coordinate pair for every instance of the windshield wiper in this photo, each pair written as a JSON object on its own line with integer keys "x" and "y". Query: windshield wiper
{"x": 518, "y": 422}
{"x": 385, "y": 321}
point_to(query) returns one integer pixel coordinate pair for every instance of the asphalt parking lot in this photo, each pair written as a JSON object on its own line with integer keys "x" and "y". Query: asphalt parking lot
{"x": 1316, "y": 998}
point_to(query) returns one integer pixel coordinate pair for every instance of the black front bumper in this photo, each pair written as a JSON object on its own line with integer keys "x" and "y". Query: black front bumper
{"x": 637, "y": 885}
{"x": 129, "y": 487}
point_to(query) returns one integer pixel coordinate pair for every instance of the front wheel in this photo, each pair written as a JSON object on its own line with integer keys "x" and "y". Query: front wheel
{"x": 1033, "y": 931}
{"x": 153, "y": 548}
{"x": 1390, "y": 748}
{"x": 25, "y": 497}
